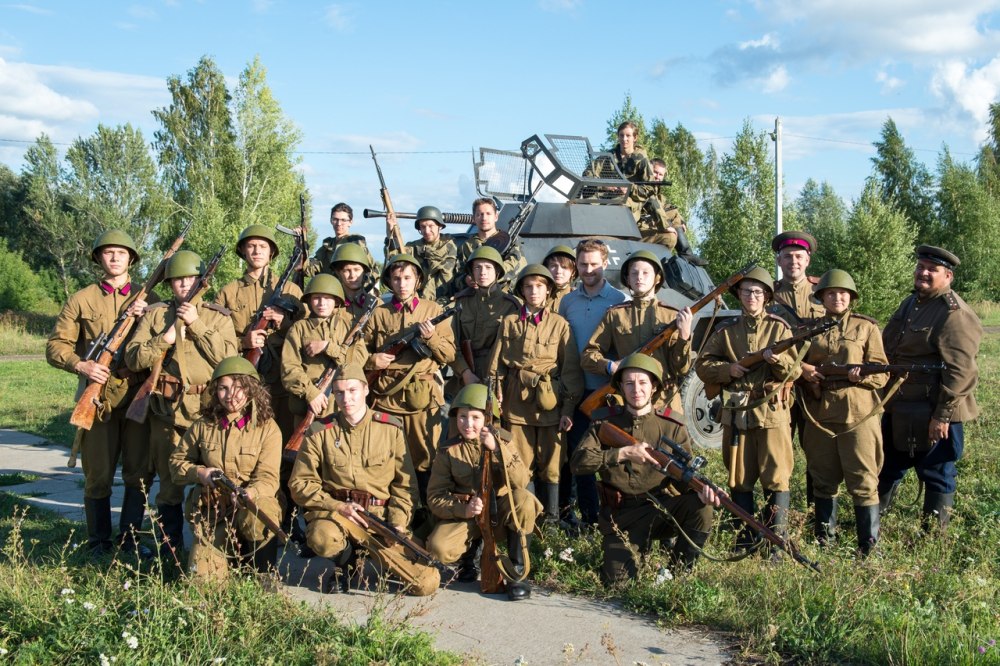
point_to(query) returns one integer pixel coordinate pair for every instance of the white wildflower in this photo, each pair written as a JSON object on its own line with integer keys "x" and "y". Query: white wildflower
{"x": 130, "y": 640}
{"x": 88, "y": 606}
{"x": 104, "y": 660}
{"x": 127, "y": 585}
{"x": 566, "y": 555}
{"x": 69, "y": 600}
{"x": 3, "y": 651}
{"x": 663, "y": 575}
{"x": 548, "y": 553}
{"x": 67, "y": 591}
{"x": 219, "y": 660}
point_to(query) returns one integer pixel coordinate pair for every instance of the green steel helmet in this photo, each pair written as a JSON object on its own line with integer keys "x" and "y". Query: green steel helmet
{"x": 184, "y": 263}
{"x": 350, "y": 253}
{"x": 235, "y": 365}
{"x": 118, "y": 238}
{"x": 401, "y": 258}
{"x": 324, "y": 283}
{"x": 473, "y": 396}
{"x": 836, "y": 278}
{"x": 429, "y": 213}
{"x": 760, "y": 275}
{"x": 489, "y": 254}
{"x": 258, "y": 231}
{"x": 534, "y": 269}
{"x": 644, "y": 255}
{"x": 639, "y": 362}
{"x": 563, "y": 250}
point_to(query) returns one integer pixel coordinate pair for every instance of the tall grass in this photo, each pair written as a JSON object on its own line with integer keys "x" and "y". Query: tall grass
{"x": 24, "y": 332}
{"x": 37, "y": 398}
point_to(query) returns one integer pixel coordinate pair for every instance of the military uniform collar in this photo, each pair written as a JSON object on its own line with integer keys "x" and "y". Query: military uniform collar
{"x": 346, "y": 425}
{"x": 106, "y": 288}
{"x": 534, "y": 318}
{"x": 410, "y": 305}
{"x": 247, "y": 280}
{"x": 240, "y": 422}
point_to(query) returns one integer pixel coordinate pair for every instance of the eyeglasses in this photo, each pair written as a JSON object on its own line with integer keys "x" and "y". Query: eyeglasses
{"x": 753, "y": 293}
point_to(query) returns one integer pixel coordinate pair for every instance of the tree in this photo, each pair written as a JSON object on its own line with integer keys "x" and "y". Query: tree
{"x": 739, "y": 212}
{"x": 626, "y": 112}
{"x": 906, "y": 181}
{"x": 988, "y": 161}
{"x": 824, "y": 215}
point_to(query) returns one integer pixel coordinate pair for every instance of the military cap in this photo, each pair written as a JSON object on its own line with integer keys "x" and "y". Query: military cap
{"x": 117, "y": 238}
{"x": 473, "y": 396}
{"x": 534, "y": 269}
{"x": 429, "y": 213}
{"x": 350, "y": 371}
{"x": 760, "y": 275}
{"x": 324, "y": 283}
{"x": 643, "y": 362}
{"x": 836, "y": 278}
{"x": 797, "y": 239}
{"x": 643, "y": 255}
{"x": 235, "y": 365}
{"x": 938, "y": 255}
{"x": 401, "y": 258}
{"x": 257, "y": 231}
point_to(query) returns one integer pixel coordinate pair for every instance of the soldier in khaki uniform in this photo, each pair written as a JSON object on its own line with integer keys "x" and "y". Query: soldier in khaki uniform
{"x": 632, "y": 161}
{"x": 481, "y": 308}
{"x": 236, "y": 435}
{"x": 561, "y": 262}
{"x": 350, "y": 267}
{"x": 436, "y": 252}
{"x": 455, "y": 484}
{"x": 628, "y": 326}
{"x": 341, "y": 219}
{"x": 923, "y": 425}
{"x": 756, "y": 439}
{"x": 629, "y": 520}
{"x": 86, "y": 315}
{"x": 409, "y": 384}
{"x": 842, "y": 440}
{"x": 484, "y": 214}
{"x": 661, "y": 221}
{"x": 536, "y": 363}
{"x": 200, "y": 335}
{"x": 354, "y": 459}
{"x": 243, "y": 298}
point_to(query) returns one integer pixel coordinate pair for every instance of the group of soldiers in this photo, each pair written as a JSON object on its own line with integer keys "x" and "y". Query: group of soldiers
{"x": 473, "y": 351}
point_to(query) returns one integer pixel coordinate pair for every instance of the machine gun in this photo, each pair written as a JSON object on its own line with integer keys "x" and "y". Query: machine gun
{"x": 410, "y": 338}
{"x": 223, "y": 482}
{"x": 393, "y": 237}
{"x": 140, "y": 404}
{"x": 679, "y": 465}
{"x": 279, "y": 301}
{"x": 105, "y": 349}
{"x": 830, "y": 370}
{"x": 504, "y": 241}
{"x": 447, "y": 218}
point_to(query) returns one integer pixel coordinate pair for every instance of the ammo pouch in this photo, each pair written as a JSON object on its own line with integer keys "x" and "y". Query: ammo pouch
{"x": 734, "y": 412}
{"x": 545, "y": 394}
{"x": 611, "y": 498}
{"x": 170, "y": 387}
{"x": 417, "y": 394}
{"x": 910, "y": 422}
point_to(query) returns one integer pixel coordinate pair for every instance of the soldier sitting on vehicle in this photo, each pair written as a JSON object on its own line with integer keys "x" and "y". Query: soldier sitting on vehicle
{"x": 341, "y": 218}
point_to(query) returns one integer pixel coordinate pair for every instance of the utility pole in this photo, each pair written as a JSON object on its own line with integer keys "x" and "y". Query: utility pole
{"x": 776, "y": 137}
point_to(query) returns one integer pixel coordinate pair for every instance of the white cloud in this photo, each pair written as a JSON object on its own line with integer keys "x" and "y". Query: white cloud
{"x": 890, "y": 83}
{"x": 969, "y": 88}
{"x": 340, "y": 17}
{"x": 777, "y": 80}
{"x": 142, "y": 12}
{"x": 768, "y": 41}
{"x": 23, "y": 94}
{"x": 22, "y": 129}
{"x": 31, "y": 9}
{"x": 805, "y": 136}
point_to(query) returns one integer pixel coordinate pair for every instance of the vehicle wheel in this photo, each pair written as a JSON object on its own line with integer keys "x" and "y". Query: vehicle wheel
{"x": 701, "y": 414}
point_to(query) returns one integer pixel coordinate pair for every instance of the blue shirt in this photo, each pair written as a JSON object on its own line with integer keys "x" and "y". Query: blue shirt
{"x": 584, "y": 313}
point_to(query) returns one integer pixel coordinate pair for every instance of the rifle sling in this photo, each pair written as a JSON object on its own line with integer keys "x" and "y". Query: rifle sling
{"x": 879, "y": 407}
{"x": 779, "y": 386}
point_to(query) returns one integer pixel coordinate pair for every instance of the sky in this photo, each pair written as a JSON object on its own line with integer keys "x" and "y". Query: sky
{"x": 427, "y": 83}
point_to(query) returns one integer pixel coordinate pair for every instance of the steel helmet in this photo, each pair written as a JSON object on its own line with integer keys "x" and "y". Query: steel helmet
{"x": 641, "y": 255}
{"x": 489, "y": 254}
{"x": 836, "y": 278}
{"x": 184, "y": 263}
{"x": 235, "y": 365}
{"x": 563, "y": 250}
{"x": 638, "y": 361}
{"x": 258, "y": 231}
{"x": 473, "y": 396}
{"x": 401, "y": 258}
{"x": 324, "y": 283}
{"x": 350, "y": 253}
{"x": 429, "y": 213}
{"x": 118, "y": 238}
{"x": 534, "y": 269}
{"x": 760, "y": 275}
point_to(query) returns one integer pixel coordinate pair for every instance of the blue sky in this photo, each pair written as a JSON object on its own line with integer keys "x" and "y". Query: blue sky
{"x": 435, "y": 80}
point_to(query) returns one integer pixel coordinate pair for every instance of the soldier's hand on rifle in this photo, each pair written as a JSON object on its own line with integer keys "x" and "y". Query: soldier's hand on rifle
{"x": 254, "y": 339}
{"x": 637, "y": 453}
{"x": 382, "y": 360}
{"x": 137, "y": 308}
{"x": 318, "y": 404}
{"x": 205, "y": 476}
{"x": 474, "y": 507}
{"x": 275, "y": 315}
{"x": 187, "y": 312}
{"x": 854, "y": 375}
{"x": 811, "y": 374}
{"x": 93, "y": 371}
{"x": 770, "y": 357}
{"x": 565, "y": 423}
{"x": 426, "y": 330}
{"x": 469, "y": 377}
{"x": 390, "y": 220}
{"x": 708, "y": 496}
{"x": 350, "y": 510}
{"x": 487, "y": 439}
{"x": 684, "y": 319}
{"x": 736, "y": 370}
{"x": 315, "y": 347}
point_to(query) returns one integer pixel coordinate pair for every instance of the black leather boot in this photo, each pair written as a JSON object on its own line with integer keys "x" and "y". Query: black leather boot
{"x": 826, "y": 520}
{"x": 265, "y": 558}
{"x": 937, "y": 510}
{"x": 747, "y": 538}
{"x": 776, "y": 516}
{"x": 686, "y": 554}
{"x": 684, "y": 250}
{"x": 130, "y": 524}
{"x": 548, "y": 494}
{"x": 171, "y": 518}
{"x": 468, "y": 564}
{"x": 885, "y": 498}
{"x": 98, "y": 513}
{"x": 344, "y": 564}
{"x": 522, "y": 590}
{"x": 868, "y": 519}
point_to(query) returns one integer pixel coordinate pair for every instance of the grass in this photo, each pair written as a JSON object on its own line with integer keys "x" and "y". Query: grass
{"x": 37, "y": 398}
{"x": 24, "y": 332}
{"x": 988, "y": 311}
{"x": 17, "y": 478}
{"x": 58, "y": 607}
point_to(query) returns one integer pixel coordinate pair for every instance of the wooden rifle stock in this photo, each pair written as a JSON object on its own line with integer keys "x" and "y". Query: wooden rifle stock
{"x": 600, "y": 396}
{"x": 491, "y": 581}
{"x": 106, "y": 348}
{"x": 680, "y": 466}
{"x": 223, "y": 482}
{"x": 829, "y": 370}
{"x": 140, "y": 403}
{"x": 751, "y": 361}
{"x": 387, "y": 531}
{"x": 393, "y": 236}
{"x": 257, "y": 322}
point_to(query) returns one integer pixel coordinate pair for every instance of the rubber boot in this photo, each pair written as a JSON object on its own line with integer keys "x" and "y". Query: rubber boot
{"x": 98, "y": 513}
{"x": 340, "y": 580}
{"x": 868, "y": 519}
{"x": 937, "y": 511}
{"x": 130, "y": 524}
{"x": 885, "y": 499}
{"x": 684, "y": 251}
{"x": 468, "y": 564}
{"x": 171, "y": 519}
{"x": 548, "y": 494}
{"x": 685, "y": 554}
{"x": 776, "y": 516}
{"x": 746, "y": 539}
{"x": 522, "y": 590}
{"x": 265, "y": 558}
{"x": 826, "y": 520}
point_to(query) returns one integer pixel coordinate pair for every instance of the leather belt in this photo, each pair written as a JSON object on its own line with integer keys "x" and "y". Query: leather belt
{"x": 362, "y": 497}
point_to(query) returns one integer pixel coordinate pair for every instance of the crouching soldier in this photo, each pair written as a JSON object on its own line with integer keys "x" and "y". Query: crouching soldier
{"x": 453, "y": 491}
{"x": 639, "y": 504}
{"x": 352, "y": 466}
{"x": 237, "y": 436}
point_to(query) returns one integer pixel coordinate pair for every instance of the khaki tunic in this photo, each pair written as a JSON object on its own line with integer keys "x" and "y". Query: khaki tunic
{"x": 512, "y": 264}
{"x": 854, "y": 452}
{"x": 942, "y": 328}
{"x": 438, "y": 262}
{"x": 760, "y": 447}
{"x": 320, "y": 263}
{"x": 799, "y": 297}
{"x": 625, "y": 328}
{"x": 357, "y": 306}
{"x": 299, "y": 372}
{"x": 480, "y": 312}
{"x": 556, "y": 297}
{"x": 370, "y": 456}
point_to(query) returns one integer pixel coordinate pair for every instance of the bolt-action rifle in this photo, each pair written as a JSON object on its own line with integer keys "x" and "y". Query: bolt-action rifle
{"x": 391, "y": 534}
{"x": 830, "y": 370}
{"x": 491, "y": 580}
{"x": 410, "y": 338}
{"x": 278, "y": 301}
{"x": 105, "y": 349}
{"x": 224, "y": 483}
{"x": 393, "y": 237}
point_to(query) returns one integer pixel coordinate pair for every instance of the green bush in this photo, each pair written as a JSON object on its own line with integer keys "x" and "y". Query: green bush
{"x": 20, "y": 288}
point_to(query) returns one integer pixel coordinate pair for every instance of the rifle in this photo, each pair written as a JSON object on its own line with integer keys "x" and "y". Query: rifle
{"x": 411, "y": 338}
{"x": 504, "y": 241}
{"x": 843, "y": 369}
{"x": 277, "y": 300}
{"x": 751, "y": 361}
{"x": 105, "y": 349}
{"x": 325, "y": 383}
{"x": 393, "y": 237}
{"x": 302, "y": 243}
{"x": 652, "y": 183}
{"x": 140, "y": 403}
{"x": 491, "y": 580}
{"x": 598, "y": 397}
{"x": 387, "y": 531}
{"x": 447, "y": 218}
{"x": 680, "y": 466}
{"x": 223, "y": 482}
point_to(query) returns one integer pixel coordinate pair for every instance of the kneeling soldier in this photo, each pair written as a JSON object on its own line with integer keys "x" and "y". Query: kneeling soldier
{"x": 638, "y": 502}
{"x": 236, "y": 435}
{"x": 454, "y": 484}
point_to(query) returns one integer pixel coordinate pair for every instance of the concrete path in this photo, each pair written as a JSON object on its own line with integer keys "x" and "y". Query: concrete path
{"x": 546, "y": 629}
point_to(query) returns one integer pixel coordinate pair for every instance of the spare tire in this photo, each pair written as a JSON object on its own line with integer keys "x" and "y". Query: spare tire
{"x": 701, "y": 414}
